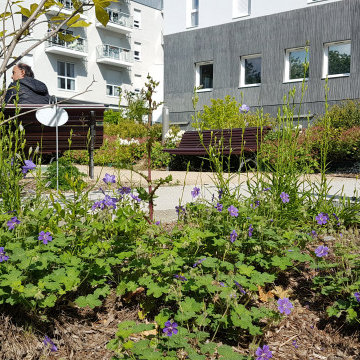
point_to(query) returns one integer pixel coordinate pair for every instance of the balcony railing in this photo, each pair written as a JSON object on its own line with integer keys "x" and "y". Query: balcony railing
{"x": 67, "y": 4}
{"x": 121, "y": 19}
{"x": 114, "y": 53}
{"x": 57, "y": 45}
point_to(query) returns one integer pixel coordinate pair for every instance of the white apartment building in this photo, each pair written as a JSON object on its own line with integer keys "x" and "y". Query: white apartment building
{"x": 119, "y": 55}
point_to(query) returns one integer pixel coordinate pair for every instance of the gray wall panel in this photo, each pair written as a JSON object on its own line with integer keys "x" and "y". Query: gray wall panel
{"x": 270, "y": 36}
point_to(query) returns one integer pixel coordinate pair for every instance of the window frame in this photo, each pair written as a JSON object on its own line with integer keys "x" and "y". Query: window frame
{"x": 325, "y": 67}
{"x": 197, "y": 75}
{"x": 137, "y": 49}
{"x": 236, "y": 15}
{"x": 114, "y": 88}
{"x": 190, "y": 12}
{"x": 65, "y": 77}
{"x": 242, "y": 69}
{"x": 287, "y": 64}
{"x": 137, "y": 11}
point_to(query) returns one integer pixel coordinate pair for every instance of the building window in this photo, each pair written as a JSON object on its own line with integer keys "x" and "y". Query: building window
{"x": 337, "y": 57}
{"x": 113, "y": 16}
{"x": 137, "y": 18}
{"x": 241, "y": 8}
{"x": 137, "y": 51}
{"x": 295, "y": 60}
{"x": 113, "y": 90}
{"x": 192, "y": 13}
{"x": 250, "y": 71}
{"x": 66, "y": 75}
{"x": 204, "y": 75}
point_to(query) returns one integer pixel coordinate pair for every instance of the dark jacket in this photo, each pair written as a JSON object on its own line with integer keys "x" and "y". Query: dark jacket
{"x": 31, "y": 91}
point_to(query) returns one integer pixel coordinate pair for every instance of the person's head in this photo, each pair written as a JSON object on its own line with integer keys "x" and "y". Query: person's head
{"x": 20, "y": 71}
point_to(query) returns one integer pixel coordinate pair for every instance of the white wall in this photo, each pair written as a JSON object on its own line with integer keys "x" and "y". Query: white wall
{"x": 215, "y": 12}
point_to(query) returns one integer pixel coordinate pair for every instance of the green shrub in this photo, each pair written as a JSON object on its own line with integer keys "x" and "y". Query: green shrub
{"x": 225, "y": 113}
{"x": 67, "y": 171}
{"x": 343, "y": 116}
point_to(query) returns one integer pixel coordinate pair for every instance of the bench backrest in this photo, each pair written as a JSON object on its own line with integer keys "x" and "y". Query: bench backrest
{"x": 233, "y": 140}
{"x": 45, "y": 136}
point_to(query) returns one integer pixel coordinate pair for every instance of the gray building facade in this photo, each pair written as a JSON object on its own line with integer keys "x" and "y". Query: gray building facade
{"x": 271, "y": 38}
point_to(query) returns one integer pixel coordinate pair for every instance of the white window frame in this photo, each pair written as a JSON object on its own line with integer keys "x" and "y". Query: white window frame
{"x": 287, "y": 64}
{"x": 137, "y": 19}
{"x": 325, "y": 68}
{"x": 66, "y": 77}
{"x": 190, "y": 12}
{"x": 197, "y": 75}
{"x": 314, "y": 1}
{"x": 235, "y": 13}
{"x": 137, "y": 49}
{"x": 114, "y": 89}
{"x": 242, "y": 69}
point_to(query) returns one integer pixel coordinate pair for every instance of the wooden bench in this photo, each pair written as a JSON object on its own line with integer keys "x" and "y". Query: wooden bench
{"x": 233, "y": 142}
{"x": 82, "y": 119}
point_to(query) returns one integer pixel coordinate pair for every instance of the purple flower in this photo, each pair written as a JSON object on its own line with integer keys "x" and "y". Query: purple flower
{"x": 222, "y": 284}
{"x": 241, "y": 289}
{"x": 29, "y": 165}
{"x": 255, "y": 205}
{"x": 109, "y": 179}
{"x": 322, "y": 218}
{"x": 357, "y": 294}
{"x": 285, "y": 306}
{"x": 285, "y": 198}
{"x": 233, "y": 211}
{"x": 3, "y": 257}
{"x": 108, "y": 202}
{"x": 295, "y": 344}
{"x": 124, "y": 190}
{"x": 337, "y": 218}
{"x": 195, "y": 192}
{"x": 313, "y": 233}
{"x": 49, "y": 342}
{"x": 321, "y": 251}
{"x": 267, "y": 189}
{"x": 198, "y": 262}
{"x": 244, "y": 108}
{"x": 220, "y": 192}
{"x": 180, "y": 277}
{"x": 263, "y": 353}
{"x": 157, "y": 223}
{"x": 136, "y": 198}
{"x": 170, "y": 328}
{"x": 45, "y": 237}
{"x": 233, "y": 236}
{"x": 219, "y": 207}
{"x": 179, "y": 209}
{"x": 251, "y": 229}
{"x": 13, "y": 222}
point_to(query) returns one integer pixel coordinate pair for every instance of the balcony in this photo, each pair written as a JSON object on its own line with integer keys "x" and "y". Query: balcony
{"x": 113, "y": 55}
{"x": 121, "y": 23}
{"x": 66, "y": 8}
{"x": 76, "y": 48}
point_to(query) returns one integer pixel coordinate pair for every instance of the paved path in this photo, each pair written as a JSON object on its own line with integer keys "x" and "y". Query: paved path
{"x": 179, "y": 191}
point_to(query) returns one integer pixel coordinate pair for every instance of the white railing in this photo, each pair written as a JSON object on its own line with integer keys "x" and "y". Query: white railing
{"x": 121, "y": 18}
{"x": 78, "y": 44}
{"x": 115, "y": 53}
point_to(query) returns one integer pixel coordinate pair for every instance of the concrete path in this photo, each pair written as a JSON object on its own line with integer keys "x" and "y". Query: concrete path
{"x": 179, "y": 190}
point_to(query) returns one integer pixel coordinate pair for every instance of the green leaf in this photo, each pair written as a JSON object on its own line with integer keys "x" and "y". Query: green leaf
{"x": 281, "y": 262}
{"x": 24, "y": 11}
{"x": 80, "y": 23}
{"x": 227, "y": 353}
{"x": 101, "y": 15}
{"x": 89, "y": 300}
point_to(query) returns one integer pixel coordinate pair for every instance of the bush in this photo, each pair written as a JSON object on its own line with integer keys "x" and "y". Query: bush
{"x": 226, "y": 113}
{"x": 343, "y": 116}
{"x": 67, "y": 171}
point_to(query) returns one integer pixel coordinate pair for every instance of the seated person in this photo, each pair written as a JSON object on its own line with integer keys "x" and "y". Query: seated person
{"x": 31, "y": 91}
